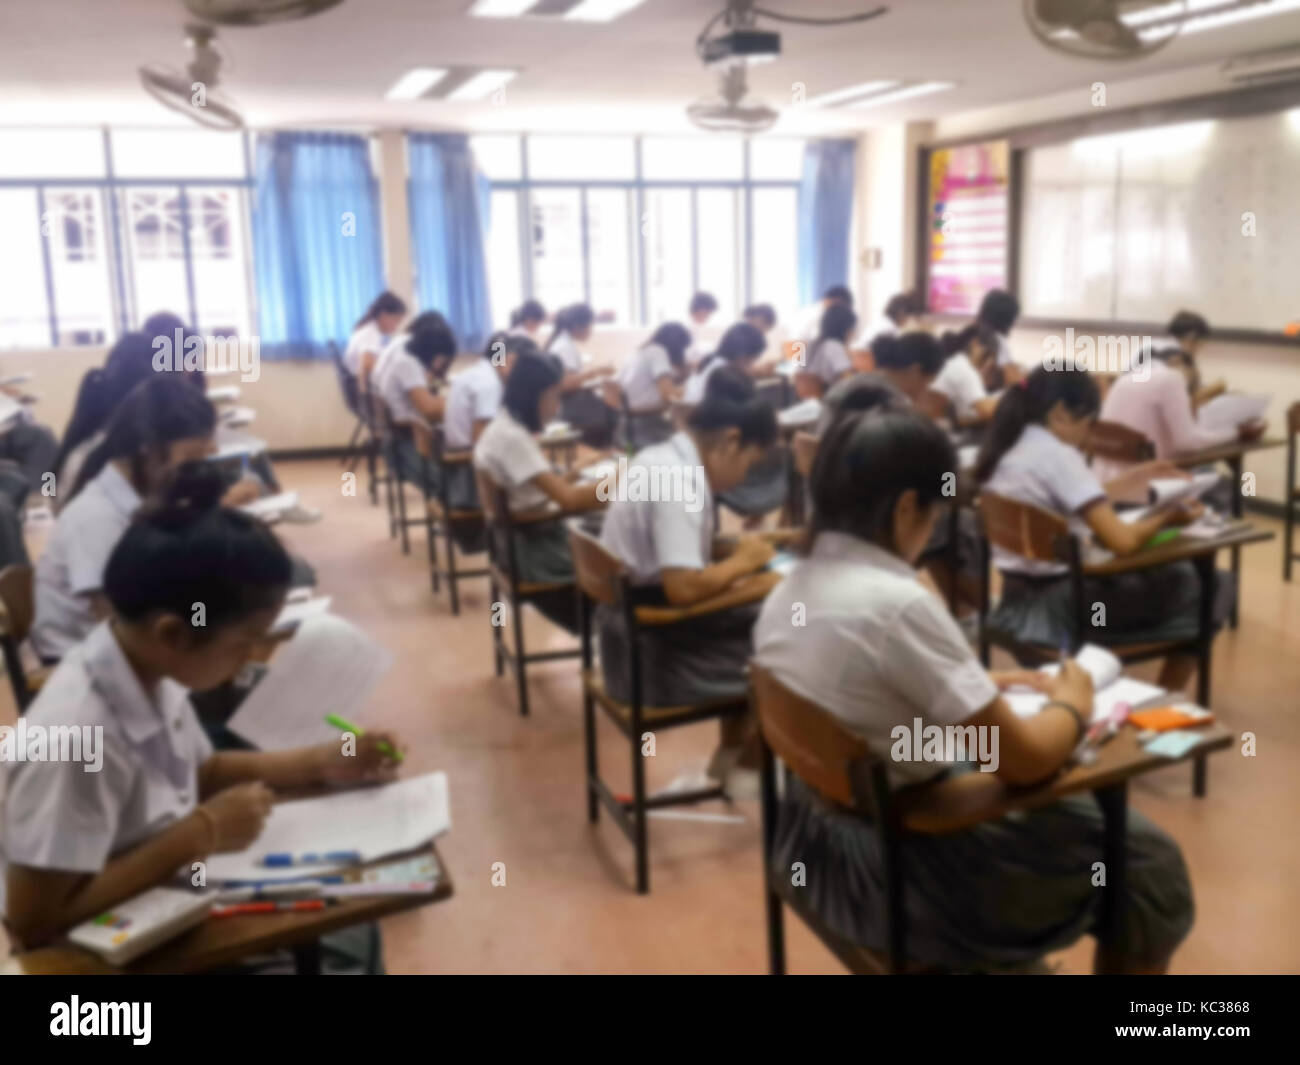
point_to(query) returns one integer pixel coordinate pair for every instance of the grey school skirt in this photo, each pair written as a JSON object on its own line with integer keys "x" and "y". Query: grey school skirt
{"x": 1002, "y": 893}
{"x": 764, "y": 488}
{"x": 699, "y": 660}
{"x": 542, "y": 556}
{"x": 1140, "y": 607}
{"x": 462, "y": 494}
{"x": 413, "y": 467}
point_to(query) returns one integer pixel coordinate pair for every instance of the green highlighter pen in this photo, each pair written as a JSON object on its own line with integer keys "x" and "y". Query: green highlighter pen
{"x": 344, "y": 725}
{"x": 1162, "y": 537}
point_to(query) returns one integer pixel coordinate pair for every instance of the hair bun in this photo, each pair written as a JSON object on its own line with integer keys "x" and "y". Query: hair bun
{"x": 193, "y": 490}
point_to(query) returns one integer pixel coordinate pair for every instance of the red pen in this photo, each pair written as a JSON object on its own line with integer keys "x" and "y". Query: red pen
{"x": 242, "y": 908}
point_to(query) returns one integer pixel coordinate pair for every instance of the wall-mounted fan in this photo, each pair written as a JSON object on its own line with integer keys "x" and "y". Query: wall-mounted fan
{"x": 256, "y": 12}
{"x": 193, "y": 92}
{"x": 1107, "y": 29}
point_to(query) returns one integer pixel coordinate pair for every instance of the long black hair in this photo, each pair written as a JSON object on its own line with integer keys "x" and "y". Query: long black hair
{"x": 1029, "y": 403}
{"x": 902, "y": 306}
{"x": 918, "y": 348}
{"x": 742, "y": 342}
{"x": 838, "y": 321}
{"x": 859, "y": 392}
{"x": 504, "y": 344}
{"x": 158, "y": 412}
{"x": 763, "y": 311}
{"x": 731, "y": 401}
{"x": 999, "y": 310}
{"x": 528, "y": 311}
{"x": 865, "y": 462}
{"x": 953, "y": 342}
{"x": 531, "y": 375}
{"x": 431, "y": 342}
{"x": 185, "y": 548}
{"x": 385, "y": 303}
{"x": 575, "y": 317}
{"x": 674, "y": 338}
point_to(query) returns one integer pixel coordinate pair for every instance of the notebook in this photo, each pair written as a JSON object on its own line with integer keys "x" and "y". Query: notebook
{"x": 1109, "y": 686}
{"x": 329, "y": 667}
{"x": 373, "y": 822}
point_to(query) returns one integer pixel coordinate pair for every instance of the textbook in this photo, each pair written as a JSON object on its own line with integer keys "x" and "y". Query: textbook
{"x": 366, "y": 823}
{"x": 329, "y": 666}
{"x": 1109, "y": 686}
{"x": 1230, "y": 410}
{"x": 138, "y": 925}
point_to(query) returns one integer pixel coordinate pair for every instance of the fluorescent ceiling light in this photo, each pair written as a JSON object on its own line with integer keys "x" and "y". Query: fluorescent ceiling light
{"x": 601, "y": 10}
{"x": 1212, "y": 15}
{"x": 907, "y": 92}
{"x": 482, "y": 84}
{"x": 853, "y": 92}
{"x": 415, "y": 83}
{"x": 501, "y": 8}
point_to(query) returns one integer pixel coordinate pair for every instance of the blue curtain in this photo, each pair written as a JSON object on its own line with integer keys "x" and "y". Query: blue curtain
{"x": 449, "y": 208}
{"x": 825, "y": 216}
{"x": 317, "y": 245}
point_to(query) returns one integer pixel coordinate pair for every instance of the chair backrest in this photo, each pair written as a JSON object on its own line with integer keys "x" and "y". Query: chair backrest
{"x": 491, "y": 496}
{"x": 347, "y": 382}
{"x": 812, "y": 743}
{"x": 599, "y": 574}
{"x": 1293, "y": 419}
{"x": 18, "y": 596}
{"x": 1022, "y": 528}
{"x": 805, "y": 452}
{"x": 1118, "y": 443}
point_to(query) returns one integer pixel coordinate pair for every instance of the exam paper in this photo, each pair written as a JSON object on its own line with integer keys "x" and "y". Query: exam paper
{"x": 296, "y": 611}
{"x": 1109, "y": 687}
{"x": 1231, "y": 409}
{"x": 374, "y": 822}
{"x": 805, "y": 413}
{"x": 329, "y": 666}
{"x": 269, "y": 507}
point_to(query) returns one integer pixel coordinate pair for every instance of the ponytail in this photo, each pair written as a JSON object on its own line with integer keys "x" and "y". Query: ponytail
{"x": 570, "y": 319}
{"x": 674, "y": 338}
{"x": 385, "y": 303}
{"x": 741, "y": 343}
{"x": 1029, "y": 403}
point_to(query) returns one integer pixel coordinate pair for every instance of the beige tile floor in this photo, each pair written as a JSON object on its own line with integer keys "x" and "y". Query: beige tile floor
{"x": 568, "y": 905}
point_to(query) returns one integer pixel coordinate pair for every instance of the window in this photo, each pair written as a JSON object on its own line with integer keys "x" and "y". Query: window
{"x": 634, "y": 226}
{"x": 103, "y": 229}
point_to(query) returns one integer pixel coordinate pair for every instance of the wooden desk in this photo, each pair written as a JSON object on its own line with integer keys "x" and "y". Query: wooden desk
{"x": 1234, "y": 454}
{"x": 224, "y": 941}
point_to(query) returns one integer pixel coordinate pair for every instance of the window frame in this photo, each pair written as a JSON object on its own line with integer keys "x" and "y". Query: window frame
{"x": 638, "y": 186}
{"x": 109, "y": 188}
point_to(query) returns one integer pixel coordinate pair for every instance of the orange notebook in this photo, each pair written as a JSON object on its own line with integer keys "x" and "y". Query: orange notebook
{"x": 1164, "y": 718}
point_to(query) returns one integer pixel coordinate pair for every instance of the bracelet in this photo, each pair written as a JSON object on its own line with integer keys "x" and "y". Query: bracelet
{"x": 1074, "y": 713}
{"x": 211, "y": 822}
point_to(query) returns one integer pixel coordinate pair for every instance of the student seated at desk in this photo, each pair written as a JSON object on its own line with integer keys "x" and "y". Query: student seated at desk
{"x": 666, "y": 543}
{"x": 163, "y": 423}
{"x": 739, "y": 348}
{"x": 508, "y": 452}
{"x": 1032, "y": 455}
{"x": 879, "y": 652}
{"x": 703, "y": 306}
{"x": 371, "y": 335}
{"x": 910, "y": 362}
{"x": 902, "y": 313}
{"x": 809, "y": 320}
{"x": 961, "y": 381}
{"x": 650, "y": 381}
{"x": 827, "y": 357}
{"x": 582, "y": 408}
{"x": 998, "y": 311}
{"x": 403, "y": 386}
{"x": 526, "y": 321}
{"x": 76, "y": 843}
{"x": 1153, "y": 399}
{"x": 762, "y": 316}
{"x": 1188, "y": 331}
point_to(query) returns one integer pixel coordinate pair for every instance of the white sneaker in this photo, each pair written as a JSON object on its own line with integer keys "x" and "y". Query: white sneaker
{"x": 300, "y": 515}
{"x": 742, "y": 783}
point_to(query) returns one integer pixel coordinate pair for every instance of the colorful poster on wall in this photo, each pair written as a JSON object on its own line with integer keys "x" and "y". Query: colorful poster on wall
{"x": 968, "y": 223}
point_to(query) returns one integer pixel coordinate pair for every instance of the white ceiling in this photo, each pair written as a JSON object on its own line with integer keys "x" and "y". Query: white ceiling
{"x": 74, "y": 62}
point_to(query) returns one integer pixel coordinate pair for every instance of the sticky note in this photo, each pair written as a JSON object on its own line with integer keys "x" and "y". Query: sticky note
{"x": 1174, "y": 744}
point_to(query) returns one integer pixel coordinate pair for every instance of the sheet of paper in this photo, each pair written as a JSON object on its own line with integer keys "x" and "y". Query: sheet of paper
{"x": 296, "y": 611}
{"x": 232, "y": 443}
{"x": 1109, "y": 687}
{"x": 270, "y": 506}
{"x": 223, "y": 394}
{"x": 329, "y": 666}
{"x": 373, "y": 822}
{"x": 1169, "y": 490}
{"x": 237, "y": 416}
{"x": 13, "y": 379}
{"x": 805, "y": 413}
{"x": 1231, "y": 409}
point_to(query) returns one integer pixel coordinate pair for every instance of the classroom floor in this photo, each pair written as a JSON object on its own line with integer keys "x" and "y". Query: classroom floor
{"x": 568, "y": 905}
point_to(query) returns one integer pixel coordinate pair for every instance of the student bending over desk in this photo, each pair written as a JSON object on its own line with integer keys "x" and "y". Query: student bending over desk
{"x": 667, "y": 545}
{"x": 1032, "y": 456}
{"x": 403, "y": 385}
{"x": 76, "y": 843}
{"x": 879, "y": 651}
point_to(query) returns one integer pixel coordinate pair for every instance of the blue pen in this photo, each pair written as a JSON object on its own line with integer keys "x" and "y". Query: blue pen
{"x": 281, "y": 861}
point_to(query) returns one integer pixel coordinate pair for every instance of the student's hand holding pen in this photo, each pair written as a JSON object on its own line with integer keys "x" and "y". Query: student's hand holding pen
{"x": 754, "y": 551}
{"x": 373, "y": 756}
{"x": 234, "y": 817}
{"x": 1185, "y": 513}
{"x": 1073, "y": 687}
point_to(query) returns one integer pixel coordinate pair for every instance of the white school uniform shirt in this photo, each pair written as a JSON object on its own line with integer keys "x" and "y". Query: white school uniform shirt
{"x": 57, "y": 815}
{"x": 508, "y": 453}
{"x": 640, "y": 376}
{"x": 828, "y": 360}
{"x": 651, "y": 535}
{"x": 698, "y": 382}
{"x": 474, "y": 396}
{"x": 961, "y": 383}
{"x": 566, "y": 349}
{"x": 884, "y": 326}
{"x": 72, "y": 566}
{"x": 1005, "y": 356}
{"x": 403, "y": 373}
{"x": 1045, "y": 471}
{"x": 876, "y": 649}
{"x": 385, "y": 359}
{"x": 367, "y": 337}
{"x": 72, "y": 464}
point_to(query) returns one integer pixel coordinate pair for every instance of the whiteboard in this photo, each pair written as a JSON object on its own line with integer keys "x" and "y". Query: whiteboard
{"x": 1135, "y": 226}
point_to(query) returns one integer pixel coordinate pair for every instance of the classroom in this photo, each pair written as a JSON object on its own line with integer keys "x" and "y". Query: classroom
{"x": 650, "y": 487}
